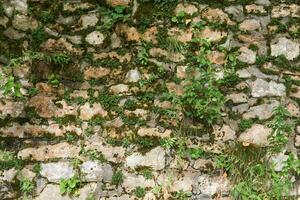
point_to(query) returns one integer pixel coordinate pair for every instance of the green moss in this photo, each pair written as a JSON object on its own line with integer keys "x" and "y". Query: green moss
{"x": 9, "y": 160}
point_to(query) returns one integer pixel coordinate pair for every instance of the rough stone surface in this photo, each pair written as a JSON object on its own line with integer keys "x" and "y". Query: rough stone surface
{"x": 257, "y": 135}
{"x": 262, "y": 88}
{"x": 54, "y": 172}
{"x": 285, "y": 47}
{"x": 95, "y": 38}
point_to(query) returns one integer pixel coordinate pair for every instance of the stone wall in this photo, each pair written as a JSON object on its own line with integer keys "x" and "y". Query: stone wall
{"x": 97, "y": 92}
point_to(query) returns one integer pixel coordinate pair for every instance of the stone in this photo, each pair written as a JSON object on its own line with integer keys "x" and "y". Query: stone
{"x": 293, "y": 108}
{"x": 297, "y": 141}
{"x": 180, "y": 35}
{"x": 120, "y": 88}
{"x": 133, "y": 76}
{"x": 74, "y": 6}
{"x": 154, "y": 132}
{"x": 24, "y": 23}
{"x": 43, "y": 105}
{"x": 95, "y": 72}
{"x": 238, "y": 97}
{"x": 250, "y": 25}
{"x": 254, "y": 71}
{"x": 52, "y": 192}
{"x": 186, "y": 8}
{"x": 93, "y": 171}
{"x": 217, "y": 15}
{"x": 284, "y": 10}
{"x": 89, "y": 20}
{"x": 209, "y": 186}
{"x": 264, "y": 111}
{"x": 285, "y": 47}
{"x": 54, "y": 172}
{"x": 46, "y": 152}
{"x": 256, "y": 135}
{"x": 53, "y": 45}
{"x": 75, "y": 39}
{"x": 217, "y": 57}
{"x": 11, "y": 108}
{"x": 185, "y": 183}
{"x": 236, "y": 11}
{"x": 246, "y": 55}
{"x": 132, "y": 181}
{"x": 20, "y": 5}
{"x": 114, "y": 3}
{"x": 112, "y": 154}
{"x": 212, "y": 35}
{"x": 223, "y": 133}
{"x": 279, "y": 161}
{"x": 3, "y": 21}
{"x": 8, "y": 175}
{"x": 256, "y": 9}
{"x": 88, "y": 111}
{"x": 263, "y": 2}
{"x": 154, "y": 159}
{"x": 11, "y": 33}
{"x": 95, "y": 38}
{"x": 262, "y": 88}
{"x": 131, "y": 33}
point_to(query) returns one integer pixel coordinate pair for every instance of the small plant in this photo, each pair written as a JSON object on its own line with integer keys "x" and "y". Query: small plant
{"x": 280, "y": 129}
{"x": 196, "y": 153}
{"x": 139, "y": 192}
{"x": 69, "y": 186}
{"x": 117, "y": 178}
{"x": 168, "y": 142}
{"x": 60, "y": 59}
{"x": 147, "y": 173}
{"x": 54, "y": 80}
{"x": 12, "y": 86}
{"x": 179, "y": 18}
{"x": 114, "y": 15}
{"x": 143, "y": 55}
{"x": 182, "y": 195}
{"x": 245, "y": 124}
{"x": 95, "y": 155}
{"x": 26, "y": 186}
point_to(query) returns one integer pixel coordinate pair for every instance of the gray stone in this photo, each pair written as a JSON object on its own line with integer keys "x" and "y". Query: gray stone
{"x": 279, "y": 161}
{"x": 24, "y": 23}
{"x": 94, "y": 171}
{"x": 262, "y": 88}
{"x": 209, "y": 186}
{"x": 256, "y": 135}
{"x": 54, "y": 172}
{"x": 236, "y": 11}
{"x": 3, "y": 21}
{"x": 88, "y": 20}
{"x": 263, "y": 2}
{"x": 132, "y": 181}
{"x": 285, "y": 47}
{"x": 95, "y": 38}
{"x": 154, "y": 159}
{"x": 247, "y": 55}
{"x": 11, "y": 33}
{"x": 261, "y": 112}
{"x": 20, "y": 5}
{"x": 133, "y": 75}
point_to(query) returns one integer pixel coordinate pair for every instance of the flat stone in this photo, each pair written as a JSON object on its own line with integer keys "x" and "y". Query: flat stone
{"x": 212, "y": 35}
{"x": 3, "y": 21}
{"x": 133, "y": 75}
{"x": 264, "y": 111}
{"x": 154, "y": 159}
{"x": 43, "y": 105}
{"x": 250, "y": 25}
{"x": 262, "y": 88}
{"x": 114, "y": 3}
{"x": 224, "y": 133}
{"x": 54, "y": 172}
{"x": 285, "y": 47}
{"x": 279, "y": 161}
{"x": 187, "y": 8}
{"x": 238, "y": 97}
{"x": 88, "y": 111}
{"x": 209, "y": 186}
{"x": 45, "y": 152}
{"x": 95, "y": 72}
{"x": 247, "y": 55}
{"x": 120, "y": 88}
{"x": 74, "y": 6}
{"x": 256, "y": 135}
{"x": 217, "y": 15}
{"x": 20, "y": 5}
{"x": 93, "y": 171}
{"x": 132, "y": 181}
{"x": 95, "y": 38}
{"x": 154, "y": 132}
{"x": 185, "y": 183}
{"x": 11, "y": 108}
{"x": 236, "y": 11}
{"x": 24, "y": 23}
{"x": 89, "y": 20}
{"x": 11, "y": 33}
